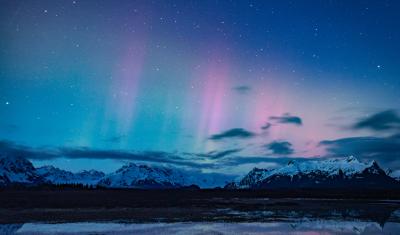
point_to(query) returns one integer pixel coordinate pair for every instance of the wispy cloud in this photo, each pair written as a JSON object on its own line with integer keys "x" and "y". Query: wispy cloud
{"x": 115, "y": 139}
{"x": 10, "y": 128}
{"x": 219, "y": 154}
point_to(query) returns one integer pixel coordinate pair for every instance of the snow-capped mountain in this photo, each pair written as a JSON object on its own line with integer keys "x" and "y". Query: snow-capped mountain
{"x": 57, "y": 176}
{"x": 253, "y": 177}
{"x": 328, "y": 173}
{"x": 18, "y": 170}
{"x": 331, "y": 173}
{"x": 142, "y": 176}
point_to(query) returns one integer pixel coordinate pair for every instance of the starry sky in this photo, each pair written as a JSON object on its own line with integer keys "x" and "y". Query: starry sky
{"x": 214, "y": 85}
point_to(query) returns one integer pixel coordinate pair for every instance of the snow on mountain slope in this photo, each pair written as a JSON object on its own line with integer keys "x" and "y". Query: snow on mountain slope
{"x": 254, "y": 176}
{"x": 58, "y": 176}
{"x": 311, "y": 172}
{"x": 142, "y": 176}
{"x": 18, "y": 170}
{"x": 21, "y": 171}
{"x": 348, "y": 166}
{"x": 54, "y": 175}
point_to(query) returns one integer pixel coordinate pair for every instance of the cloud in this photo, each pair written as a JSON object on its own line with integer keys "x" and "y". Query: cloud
{"x": 386, "y": 150}
{"x": 233, "y": 133}
{"x": 280, "y": 147}
{"x": 149, "y": 156}
{"x": 212, "y": 161}
{"x": 242, "y": 89}
{"x": 277, "y": 161}
{"x": 9, "y": 148}
{"x": 287, "y": 119}
{"x": 266, "y": 126}
{"x": 115, "y": 139}
{"x": 9, "y": 128}
{"x": 215, "y": 161}
{"x": 219, "y": 154}
{"x": 382, "y": 121}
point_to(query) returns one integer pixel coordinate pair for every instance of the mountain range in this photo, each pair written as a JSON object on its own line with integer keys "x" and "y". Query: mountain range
{"x": 57, "y": 176}
{"x": 329, "y": 173}
{"x": 20, "y": 171}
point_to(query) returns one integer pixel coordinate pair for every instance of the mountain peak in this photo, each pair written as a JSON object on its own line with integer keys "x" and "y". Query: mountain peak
{"x": 58, "y": 176}
{"x": 18, "y": 170}
{"x": 374, "y": 164}
{"x": 143, "y": 176}
{"x": 352, "y": 159}
{"x": 15, "y": 164}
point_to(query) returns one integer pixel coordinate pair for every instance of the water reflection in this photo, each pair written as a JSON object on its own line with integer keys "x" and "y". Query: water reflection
{"x": 222, "y": 216}
{"x": 300, "y": 228}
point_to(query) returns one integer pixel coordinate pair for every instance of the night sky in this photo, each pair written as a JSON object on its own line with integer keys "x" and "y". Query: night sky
{"x": 220, "y": 86}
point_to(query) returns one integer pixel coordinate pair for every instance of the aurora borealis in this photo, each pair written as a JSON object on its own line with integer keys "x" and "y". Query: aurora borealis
{"x": 275, "y": 80}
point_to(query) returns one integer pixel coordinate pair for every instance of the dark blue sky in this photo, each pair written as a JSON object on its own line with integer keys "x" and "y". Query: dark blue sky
{"x": 169, "y": 76}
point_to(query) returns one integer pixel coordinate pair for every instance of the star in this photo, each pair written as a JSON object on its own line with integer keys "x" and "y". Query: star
{"x": 379, "y": 66}
{"x": 7, "y": 103}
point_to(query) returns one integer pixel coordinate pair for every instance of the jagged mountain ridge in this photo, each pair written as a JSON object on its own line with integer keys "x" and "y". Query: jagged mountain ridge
{"x": 128, "y": 176}
{"x": 142, "y": 176}
{"x": 330, "y": 173}
{"x": 18, "y": 170}
{"x": 55, "y": 175}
